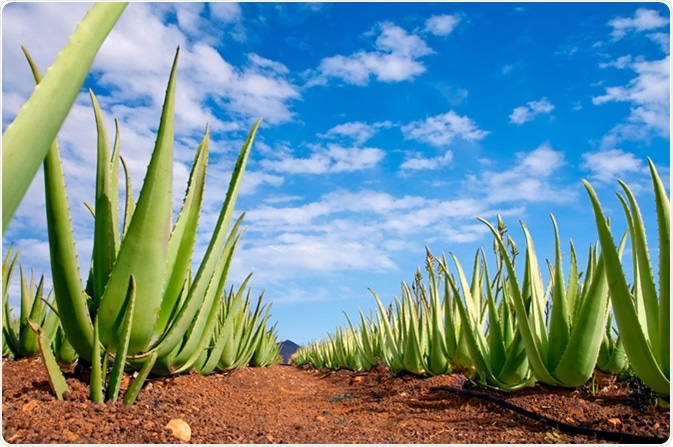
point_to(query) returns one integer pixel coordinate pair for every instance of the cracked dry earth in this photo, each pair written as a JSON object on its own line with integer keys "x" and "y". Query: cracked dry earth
{"x": 288, "y": 404}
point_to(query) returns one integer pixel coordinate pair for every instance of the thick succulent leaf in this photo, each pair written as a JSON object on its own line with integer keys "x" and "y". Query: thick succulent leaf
{"x": 96, "y": 382}
{"x": 183, "y": 236}
{"x": 581, "y": 353}
{"x": 663, "y": 206}
{"x": 135, "y": 387}
{"x": 119, "y": 364}
{"x": 24, "y": 149}
{"x": 54, "y": 375}
{"x": 144, "y": 248}
{"x": 196, "y": 297}
{"x": 129, "y": 204}
{"x": 70, "y": 298}
{"x": 105, "y": 222}
{"x": 208, "y": 265}
{"x": 640, "y": 354}
{"x": 526, "y": 327}
{"x": 559, "y": 324}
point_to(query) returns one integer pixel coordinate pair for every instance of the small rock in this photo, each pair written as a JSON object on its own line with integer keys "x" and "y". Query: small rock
{"x": 180, "y": 429}
{"x": 614, "y": 421}
{"x": 319, "y": 418}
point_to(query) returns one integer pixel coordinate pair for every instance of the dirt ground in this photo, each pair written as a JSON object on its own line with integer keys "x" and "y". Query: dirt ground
{"x": 288, "y": 404}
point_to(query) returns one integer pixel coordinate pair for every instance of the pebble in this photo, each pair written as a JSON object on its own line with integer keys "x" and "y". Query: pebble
{"x": 180, "y": 429}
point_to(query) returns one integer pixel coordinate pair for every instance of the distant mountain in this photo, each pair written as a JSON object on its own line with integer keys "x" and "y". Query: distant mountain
{"x": 287, "y": 348}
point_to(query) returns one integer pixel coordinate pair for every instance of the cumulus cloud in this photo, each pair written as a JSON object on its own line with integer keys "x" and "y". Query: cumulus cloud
{"x": 649, "y": 96}
{"x": 441, "y": 25}
{"x": 441, "y": 130}
{"x": 605, "y": 166}
{"x": 394, "y": 59}
{"x": 357, "y": 131}
{"x": 531, "y": 179}
{"x": 643, "y": 20}
{"x": 333, "y": 158}
{"x": 530, "y": 111}
{"x": 420, "y": 163}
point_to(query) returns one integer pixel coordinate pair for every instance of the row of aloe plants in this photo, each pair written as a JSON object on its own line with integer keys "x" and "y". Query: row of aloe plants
{"x": 141, "y": 308}
{"x": 511, "y": 330}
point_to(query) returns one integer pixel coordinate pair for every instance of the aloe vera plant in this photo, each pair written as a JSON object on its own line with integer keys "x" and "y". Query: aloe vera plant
{"x": 267, "y": 351}
{"x": 148, "y": 260}
{"x": 24, "y": 148}
{"x": 561, "y": 351}
{"x": 21, "y": 340}
{"x": 641, "y": 312}
{"x": 612, "y": 357}
{"x": 498, "y": 352}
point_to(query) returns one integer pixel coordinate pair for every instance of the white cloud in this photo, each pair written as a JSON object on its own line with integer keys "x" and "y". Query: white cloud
{"x": 532, "y": 109}
{"x": 663, "y": 39}
{"x": 330, "y": 159}
{"x": 643, "y": 20}
{"x": 607, "y": 165}
{"x": 419, "y": 163}
{"x": 357, "y": 131}
{"x": 649, "y": 95}
{"x": 227, "y": 12}
{"x": 350, "y": 231}
{"x": 393, "y": 60}
{"x": 441, "y": 25}
{"x": 621, "y": 62}
{"x": 441, "y": 130}
{"x": 530, "y": 180}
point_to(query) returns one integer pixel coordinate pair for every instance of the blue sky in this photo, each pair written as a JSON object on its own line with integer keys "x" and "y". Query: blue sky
{"x": 387, "y": 127}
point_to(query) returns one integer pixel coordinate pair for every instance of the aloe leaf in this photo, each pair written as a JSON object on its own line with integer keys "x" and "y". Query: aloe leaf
{"x": 104, "y": 241}
{"x": 134, "y": 389}
{"x": 144, "y": 248}
{"x": 129, "y": 204}
{"x": 183, "y": 236}
{"x": 581, "y": 353}
{"x": 114, "y": 187}
{"x": 641, "y": 357}
{"x": 559, "y": 324}
{"x": 209, "y": 262}
{"x": 526, "y": 327}
{"x": 69, "y": 296}
{"x": 117, "y": 373}
{"x": 54, "y": 375}
{"x": 197, "y": 295}
{"x": 9, "y": 335}
{"x": 28, "y": 343}
{"x": 572, "y": 292}
{"x": 663, "y": 207}
{"x": 647, "y": 294}
{"x": 96, "y": 382}
{"x": 51, "y": 323}
{"x": 496, "y": 342}
{"x": 24, "y": 149}
{"x": 532, "y": 287}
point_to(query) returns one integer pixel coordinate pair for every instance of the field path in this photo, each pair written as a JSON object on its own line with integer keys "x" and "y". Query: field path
{"x": 287, "y": 404}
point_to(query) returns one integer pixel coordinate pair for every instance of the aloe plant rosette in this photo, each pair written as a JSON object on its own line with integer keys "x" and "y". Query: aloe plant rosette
{"x": 148, "y": 260}
{"x": 562, "y": 350}
{"x": 641, "y": 312}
